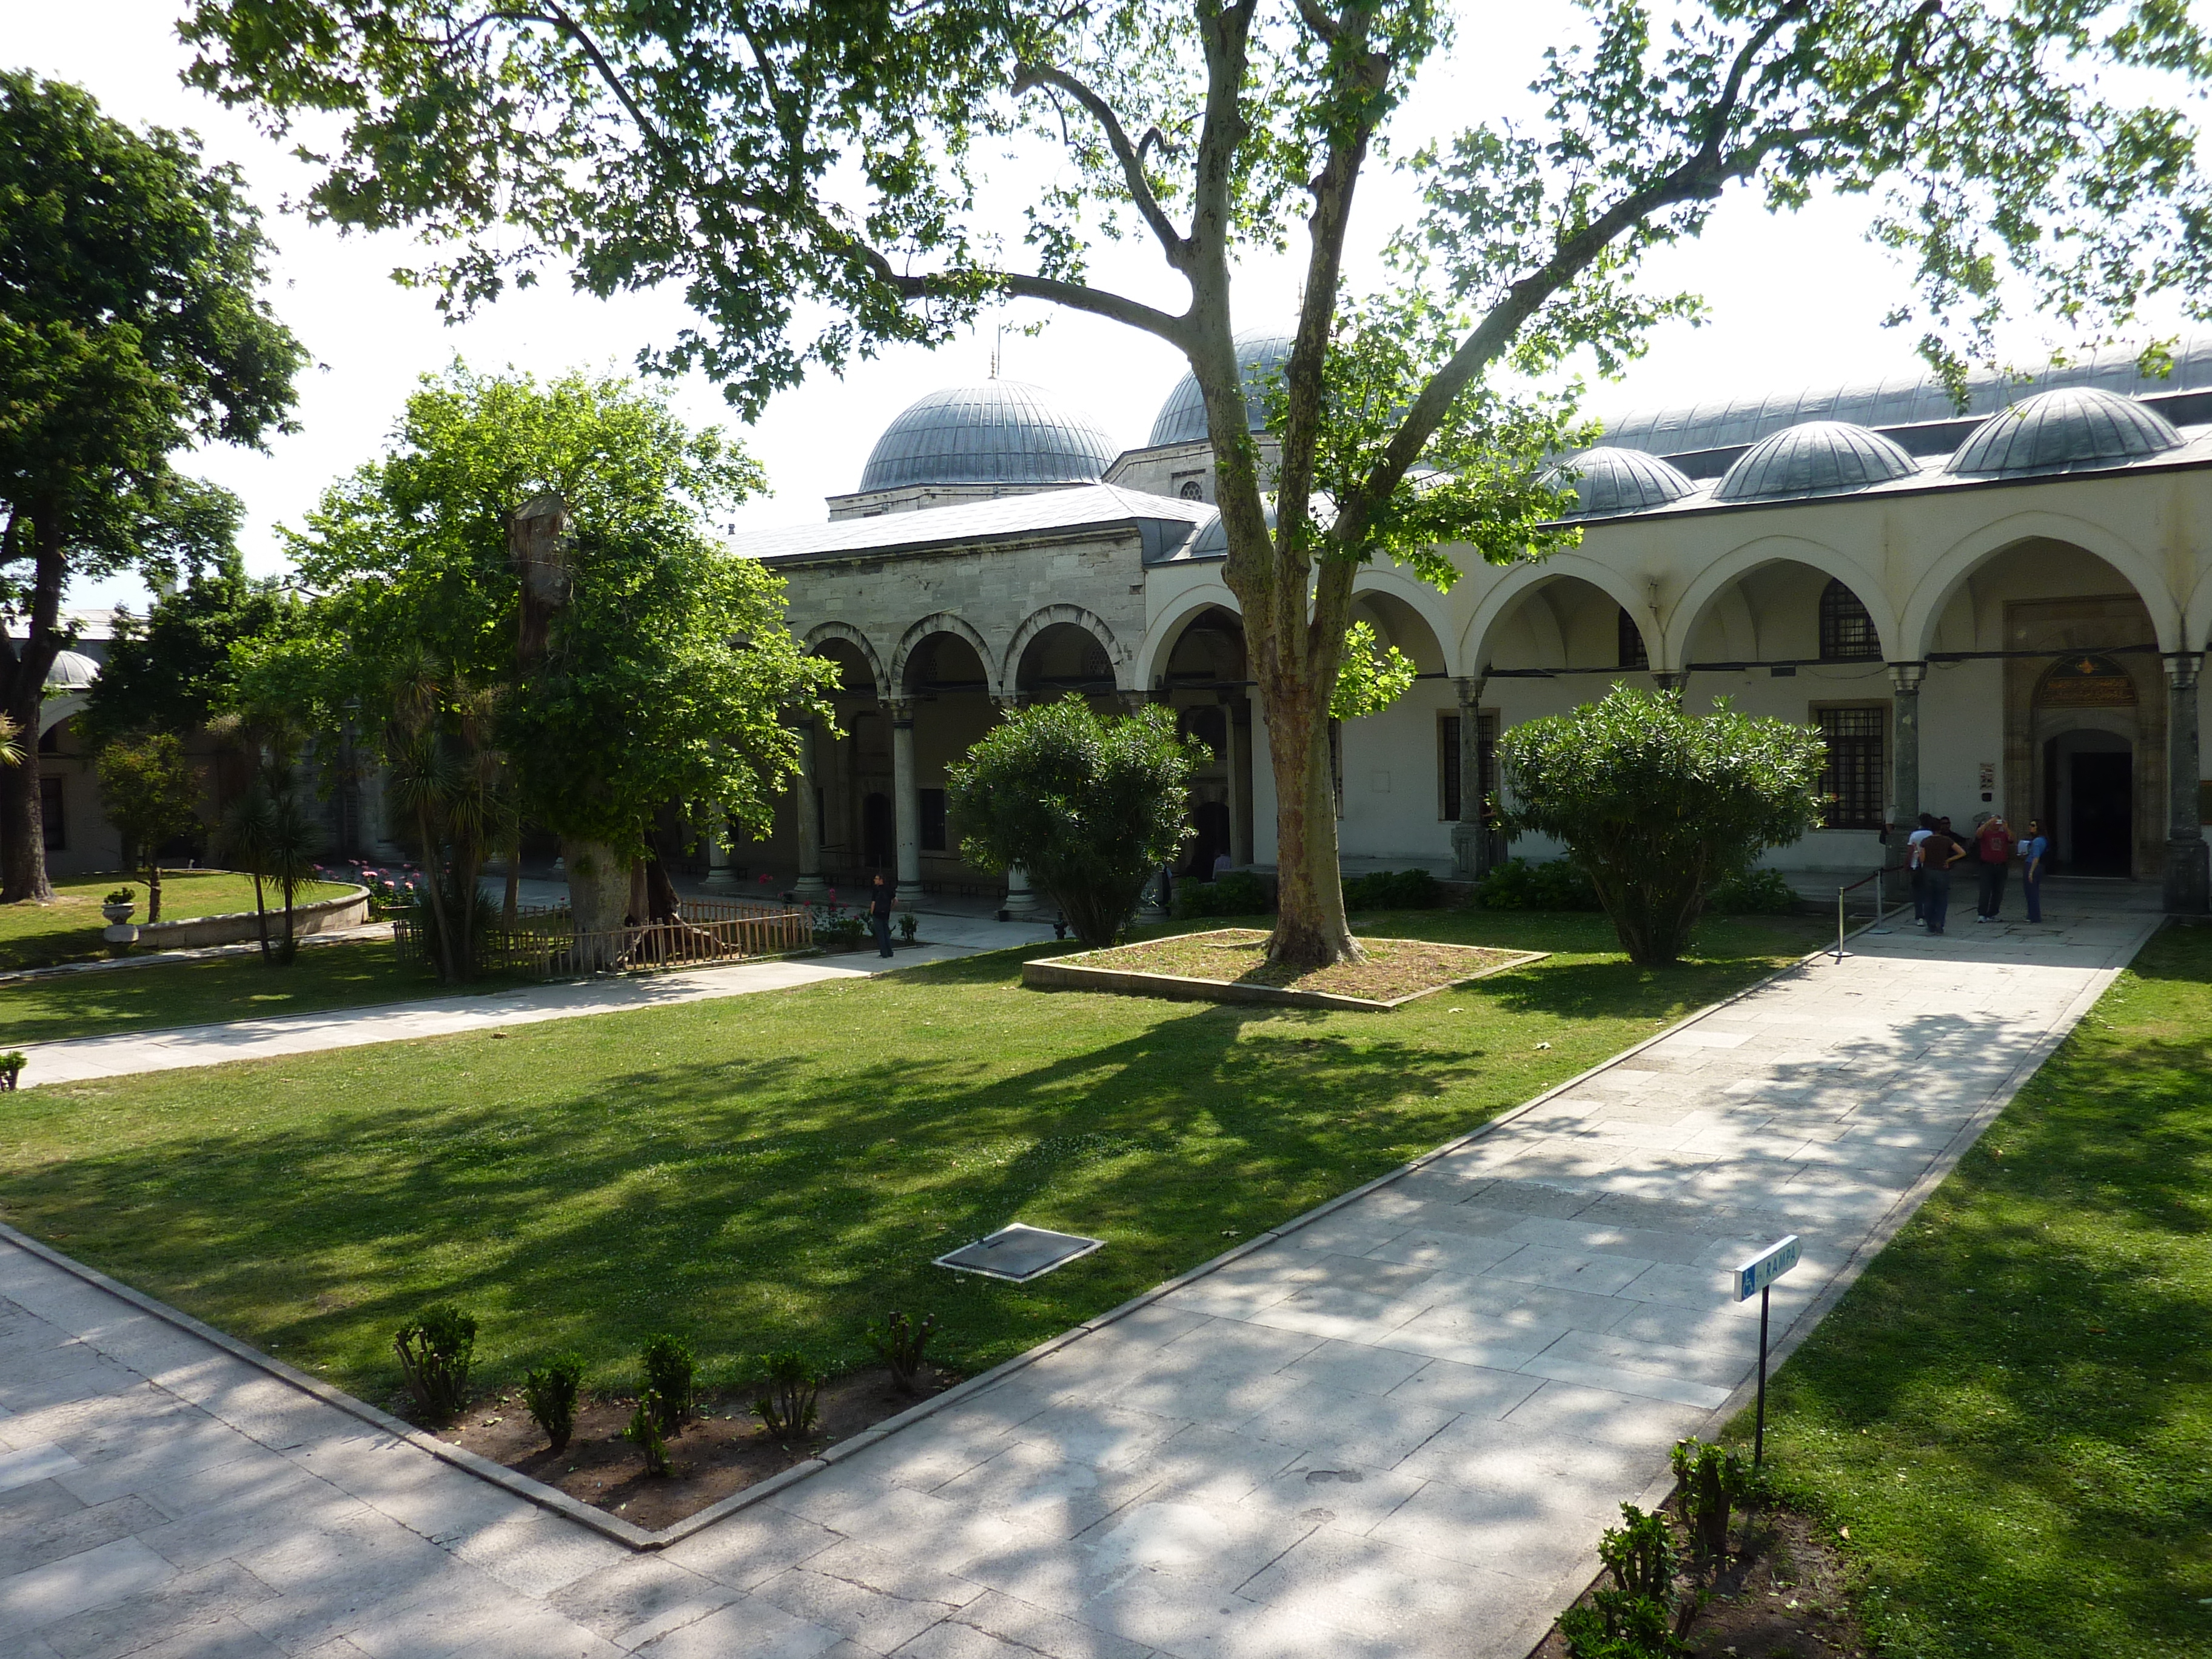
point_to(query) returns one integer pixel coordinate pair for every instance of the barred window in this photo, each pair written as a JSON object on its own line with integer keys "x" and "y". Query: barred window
{"x": 1448, "y": 763}
{"x": 1485, "y": 761}
{"x": 1632, "y": 653}
{"x": 1846, "y": 631}
{"x": 1851, "y": 781}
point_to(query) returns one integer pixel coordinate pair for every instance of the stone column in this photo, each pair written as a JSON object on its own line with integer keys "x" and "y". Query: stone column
{"x": 720, "y": 870}
{"x": 1237, "y": 753}
{"x": 1672, "y": 683}
{"x": 906, "y": 794}
{"x": 810, "y": 884}
{"x": 1470, "y": 841}
{"x": 2188, "y": 880}
{"x": 1905, "y": 679}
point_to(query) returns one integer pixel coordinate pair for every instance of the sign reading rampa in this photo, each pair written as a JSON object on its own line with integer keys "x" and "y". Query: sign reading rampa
{"x": 1763, "y": 1269}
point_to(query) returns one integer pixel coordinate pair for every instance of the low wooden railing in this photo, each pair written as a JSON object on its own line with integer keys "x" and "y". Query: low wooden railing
{"x": 544, "y": 945}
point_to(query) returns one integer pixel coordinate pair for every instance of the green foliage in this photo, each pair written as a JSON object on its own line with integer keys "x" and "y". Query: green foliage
{"x": 436, "y": 1350}
{"x": 11, "y": 1067}
{"x": 908, "y": 924}
{"x": 1554, "y": 884}
{"x": 834, "y": 925}
{"x": 1373, "y": 676}
{"x": 151, "y": 794}
{"x": 645, "y": 1433}
{"x": 1634, "y": 1619}
{"x": 549, "y": 1392}
{"x": 1713, "y": 1479}
{"x": 1239, "y": 893}
{"x": 1656, "y": 805}
{"x": 273, "y": 833}
{"x": 121, "y": 895}
{"x": 1089, "y": 807}
{"x": 789, "y": 1384}
{"x": 174, "y": 670}
{"x": 669, "y": 667}
{"x": 898, "y": 1341}
{"x": 670, "y": 1380}
{"x": 1757, "y": 891}
{"x": 1394, "y": 890}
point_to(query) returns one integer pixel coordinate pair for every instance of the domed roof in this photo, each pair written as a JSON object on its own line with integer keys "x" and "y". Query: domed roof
{"x": 1002, "y": 432}
{"x": 2054, "y": 431}
{"x": 1607, "y": 480}
{"x": 1818, "y": 458}
{"x": 1181, "y": 419}
{"x": 72, "y": 671}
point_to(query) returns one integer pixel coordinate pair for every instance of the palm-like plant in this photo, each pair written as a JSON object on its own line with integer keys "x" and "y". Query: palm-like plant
{"x": 11, "y": 746}
{"x": 248, "y": 830}
{"x": 448, "y": 775}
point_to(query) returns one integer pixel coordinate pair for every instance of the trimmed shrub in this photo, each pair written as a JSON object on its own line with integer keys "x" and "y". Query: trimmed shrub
{"x": 436, "y": 1349}
{"x": 900, "y": 1341}
{"x": 789, "y": 1384}
{"x": 1394, "y": 890}
{"x": 1759, "y": 892}
{"x": 549, "y": 1391}
{"x": 644, "y": 1433}
{"x": 670, "y": 1380}
{"x": 1518, "y": 884}
{"x": 1635, "y": 1620}
{"x": 1239, "y": 893}
{"x": 1713, "y": 1479}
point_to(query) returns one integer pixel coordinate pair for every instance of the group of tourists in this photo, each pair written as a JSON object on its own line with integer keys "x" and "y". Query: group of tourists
{"x": 1933, "y": 850}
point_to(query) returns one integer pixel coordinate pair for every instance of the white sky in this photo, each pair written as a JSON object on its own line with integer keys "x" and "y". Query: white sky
{"x": 1795, "y": 303}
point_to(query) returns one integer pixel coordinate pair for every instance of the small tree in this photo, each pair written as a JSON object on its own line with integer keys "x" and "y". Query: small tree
{"x": 152, "y": 794}
{"x": 1657, "y": 805}
{"x": 1089, "y": 807}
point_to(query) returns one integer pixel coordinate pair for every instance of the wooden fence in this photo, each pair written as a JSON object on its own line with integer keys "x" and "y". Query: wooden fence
{"x": 544, "y": 945}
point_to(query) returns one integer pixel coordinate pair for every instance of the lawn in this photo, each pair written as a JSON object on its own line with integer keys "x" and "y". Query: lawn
{"x": 350, "y": 974}
{"x": 68, "y": 930}
{"x": 779, "y": 1168}
{"x": 2012, "y": 1411}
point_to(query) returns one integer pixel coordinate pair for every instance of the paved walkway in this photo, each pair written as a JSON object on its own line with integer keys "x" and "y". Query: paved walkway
{"x": 79, "y": 1058}
{"x": 1396, "y": 1429}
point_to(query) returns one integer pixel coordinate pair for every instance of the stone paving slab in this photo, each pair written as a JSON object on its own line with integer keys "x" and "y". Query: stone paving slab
{"x": 1396, "y": 1430}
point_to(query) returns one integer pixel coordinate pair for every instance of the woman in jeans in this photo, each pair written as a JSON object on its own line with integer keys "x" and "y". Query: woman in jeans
{"x": 2033, "y": 849}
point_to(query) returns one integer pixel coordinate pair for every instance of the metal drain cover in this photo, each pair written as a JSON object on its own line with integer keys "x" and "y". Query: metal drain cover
{"x": 1018, "y": 1253}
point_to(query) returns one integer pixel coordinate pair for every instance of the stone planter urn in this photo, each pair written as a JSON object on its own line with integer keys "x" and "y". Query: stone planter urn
{"x": 118, "y": 935}
{"x": 11, "y": 1067}
{"x": 117, "y": 915}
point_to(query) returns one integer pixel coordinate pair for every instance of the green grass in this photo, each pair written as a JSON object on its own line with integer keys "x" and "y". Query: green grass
{"x": 353, "y": 973}
{"x": 2012, "y": 1411}
{"x": 68, "y": 930}
{"x": 779, "y": 1168}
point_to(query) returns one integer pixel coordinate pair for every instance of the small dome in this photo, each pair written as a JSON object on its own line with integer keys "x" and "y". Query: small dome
{"x": 1181, "y": 419}
{"x": 72, "y": 671}
{"x": 1607, "y": 481}
{"x": 2075, "y": 426}
{"x": 1002, "y": 432}
{"x": 1818, "y": 458}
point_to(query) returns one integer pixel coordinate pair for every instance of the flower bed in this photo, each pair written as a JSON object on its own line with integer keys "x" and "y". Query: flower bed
{"x": 1229, "y": 964}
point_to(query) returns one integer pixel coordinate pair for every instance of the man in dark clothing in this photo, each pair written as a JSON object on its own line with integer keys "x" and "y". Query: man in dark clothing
{"x": 882, "y": 894}
{"x": 1993, "y": 852}
{"x": 1937, "y": 855}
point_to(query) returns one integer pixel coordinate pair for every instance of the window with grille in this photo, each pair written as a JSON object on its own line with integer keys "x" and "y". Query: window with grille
{"x": 1851, "y": 781}
{"x": 1632, "y": 653}
{"x": 1486, "y": 761}
{"x": 1846, "y": 631}
{"x": 53, "y": 824}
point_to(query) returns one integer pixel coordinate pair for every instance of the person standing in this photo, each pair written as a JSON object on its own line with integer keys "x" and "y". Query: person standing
{"x": 883, "y": 893}
{"x": 1937, "y": 855}
{"x": 2034, "y": 848}
{"x": 1993, "y": 852}
{"x": 1913, "y": 844}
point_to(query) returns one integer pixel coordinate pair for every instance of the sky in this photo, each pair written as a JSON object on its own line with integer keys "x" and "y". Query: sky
{"x": 1794, "y": 301}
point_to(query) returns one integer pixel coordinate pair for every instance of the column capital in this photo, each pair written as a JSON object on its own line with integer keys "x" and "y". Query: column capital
{"x": 901, "y": 710}
{"x": 1905, "y": 677}
{"x": 1470, "y": 687}
{"x": 2182, "y": 668}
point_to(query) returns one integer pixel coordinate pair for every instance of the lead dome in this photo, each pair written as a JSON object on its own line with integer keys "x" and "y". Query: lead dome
{"x": 1181, "y": 419}
{"x": 1002, "y": 432}
{"x": 1818, "y": 458}
{"x": 2057, "y": 431}
{"x": 1607, "y": 480}
{"x": 72, "y": 671}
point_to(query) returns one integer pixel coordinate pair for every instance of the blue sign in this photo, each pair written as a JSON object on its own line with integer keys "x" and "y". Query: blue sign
{"x": 1763, "y": 1269}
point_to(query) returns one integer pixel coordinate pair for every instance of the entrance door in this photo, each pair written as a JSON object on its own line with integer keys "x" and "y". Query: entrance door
{"x": 2103, "y": 812}
{"x": 877, "y": 832}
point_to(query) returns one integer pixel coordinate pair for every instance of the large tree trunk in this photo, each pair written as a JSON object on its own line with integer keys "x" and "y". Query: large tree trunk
{"x": 598, "y": 898}
{"x": 154, "y": 889}
{"x": 23, "y": 666}
{"x": 1310, "y": 924}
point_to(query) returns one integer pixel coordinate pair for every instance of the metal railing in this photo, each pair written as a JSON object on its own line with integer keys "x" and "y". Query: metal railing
{"x": 1880, "y": 900}
{"x": 544, "y": 945}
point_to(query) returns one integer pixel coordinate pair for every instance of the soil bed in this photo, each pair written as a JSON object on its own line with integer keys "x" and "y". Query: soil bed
{"x": 723, "y": 1450}
{"x": 1395, "y": 969}
{"x": 1781, "y": 1595}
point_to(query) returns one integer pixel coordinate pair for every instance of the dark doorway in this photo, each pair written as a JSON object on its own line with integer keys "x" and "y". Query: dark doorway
{"x": 877, "y": 832}
{"x": 2103, "y": 812}
{"x": 1211, "y": 819}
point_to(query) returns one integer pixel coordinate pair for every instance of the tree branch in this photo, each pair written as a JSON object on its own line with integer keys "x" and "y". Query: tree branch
{"x": 1076, "y": 296}
{"x": 1173, "y": 244}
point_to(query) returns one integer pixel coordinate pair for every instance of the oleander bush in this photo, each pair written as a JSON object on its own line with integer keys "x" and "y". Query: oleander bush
{"x": 549, "y": 1391}
{"x": 671, "y": 1377}
{"x": 436, "y": 1349}
{"x": 1518, "y": 884}
{"x": 1759, "y": 892}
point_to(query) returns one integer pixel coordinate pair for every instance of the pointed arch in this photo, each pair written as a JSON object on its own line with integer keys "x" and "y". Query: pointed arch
{"x": 1422, "y": 598}
{"x": 1160, "y": 636}
{"x": 1521, "y": 580}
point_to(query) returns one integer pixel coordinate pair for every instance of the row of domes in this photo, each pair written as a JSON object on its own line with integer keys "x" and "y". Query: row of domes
{"x": 2062, "y": 430}
{"x": 1006, "y": 432}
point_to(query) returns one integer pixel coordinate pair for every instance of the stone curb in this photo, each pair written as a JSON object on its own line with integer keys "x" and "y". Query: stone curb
{"x": 638, "y": 1539}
